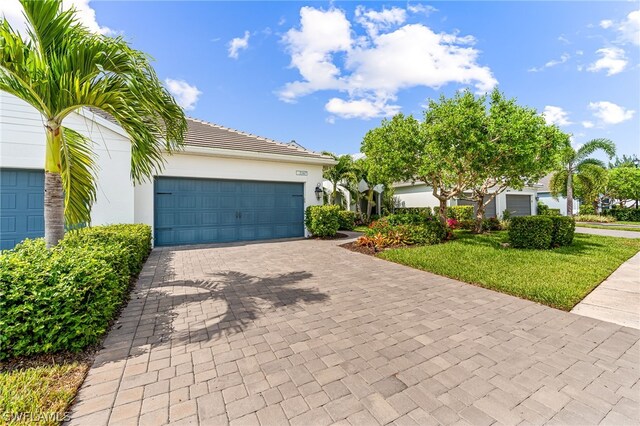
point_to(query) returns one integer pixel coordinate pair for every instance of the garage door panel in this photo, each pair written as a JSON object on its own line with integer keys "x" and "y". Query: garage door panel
{"x": 21, "y": 206}
{"x": 519, "y": 205}
{"x": 209, "y": 211}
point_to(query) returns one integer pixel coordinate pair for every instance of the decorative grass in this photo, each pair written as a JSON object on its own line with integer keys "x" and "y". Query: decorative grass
{"x": 559, "y": 278}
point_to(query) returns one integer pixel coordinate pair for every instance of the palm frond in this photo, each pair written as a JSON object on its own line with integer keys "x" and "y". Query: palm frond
{"x": 590, "y": 162}
{"x": 558, "y": 183}
{"x": 602, "y": 144}
{"x": 78, "y": 176}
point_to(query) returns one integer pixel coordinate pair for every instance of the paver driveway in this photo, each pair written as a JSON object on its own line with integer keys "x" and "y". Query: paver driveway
{"x": 309, "y": 333}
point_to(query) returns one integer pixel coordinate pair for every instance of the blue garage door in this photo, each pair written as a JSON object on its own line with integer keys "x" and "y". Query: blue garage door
{"x": 193, "y": 211}
{"x": 21, "y": 206}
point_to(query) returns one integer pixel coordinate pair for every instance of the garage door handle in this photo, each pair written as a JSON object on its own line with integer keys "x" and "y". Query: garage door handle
{"x": 164, "y": 193}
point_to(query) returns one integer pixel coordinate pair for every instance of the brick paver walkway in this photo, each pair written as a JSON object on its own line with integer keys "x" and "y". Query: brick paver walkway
{"x": 309, "y": 333}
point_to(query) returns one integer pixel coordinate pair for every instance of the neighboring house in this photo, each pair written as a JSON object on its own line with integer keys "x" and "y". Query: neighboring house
{"x": 224, "y": 186}
{"x": 517, "y": 202}
{"x": 560, "y": 202}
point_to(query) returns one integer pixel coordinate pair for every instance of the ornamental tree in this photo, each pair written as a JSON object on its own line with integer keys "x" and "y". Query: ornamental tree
{"x": 517, "y": 148}
{"x": 624, "y": 184}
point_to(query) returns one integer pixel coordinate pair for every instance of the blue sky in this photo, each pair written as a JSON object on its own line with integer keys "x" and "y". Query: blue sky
{"x": 323, "y": 73}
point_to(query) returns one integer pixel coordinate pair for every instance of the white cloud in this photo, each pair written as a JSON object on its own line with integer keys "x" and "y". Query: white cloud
{"x": 552, "y": 63}
{"x": 628, "y": 29}
{"x": 421, "y": 8}
{"x": 374, "y": 21}
{"x": 12, "y": 11}
{"x": 237, "y": 44}
{"x": 587, "y": 124}
{"x": 556, "y": 115}
{"x": 563, "y": 39}
{"x": 613, "y": 60}
{"x": 606, "y": 23}
{"x": 185, "y": 94}
{"x": 361, "y": 108}
{"x": 610, "y": 113}
{"x": 372, "y": 68}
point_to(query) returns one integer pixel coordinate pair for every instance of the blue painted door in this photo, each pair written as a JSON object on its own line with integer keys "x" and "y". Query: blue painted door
{"x": 21, "y": 206}
{"x": 193, "y": 211}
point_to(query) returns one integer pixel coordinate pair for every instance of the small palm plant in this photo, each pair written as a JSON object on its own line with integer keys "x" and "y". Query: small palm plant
{"x": 59, "y": 67}
{"x": 578, "y": 166}
{"x": 338, "y": 173}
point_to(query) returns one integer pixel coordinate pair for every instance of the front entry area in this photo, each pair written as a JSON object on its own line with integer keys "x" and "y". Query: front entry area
{"x": 196, "y": 211}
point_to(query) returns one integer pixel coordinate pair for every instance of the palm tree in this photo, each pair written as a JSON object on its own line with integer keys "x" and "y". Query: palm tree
{"x": 578, "y": 166}
{"x": 59, "y": 67}
{"x": 338, "y": 173}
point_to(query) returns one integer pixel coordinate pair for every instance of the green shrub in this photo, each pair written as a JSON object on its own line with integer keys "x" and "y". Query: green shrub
{"x": 64, "y": 298}
{"x": 626, "y": 214}
{"x": 322, "y": 221}
{"x": 587, "y": 209}
{"x": 347, "y": 220}
{"x": 422, "y": 211}
{"x": 506, "y": 215}
{"x": 553, "y": 212}
{"x": 460, "y": 213}
{"x": 407, "y": 219}
{"x": 534, "y": 232}
{"x": 563, "y": 229}
{"x": 467, "y": 224}
{"x": 542, "y": 208}
{"x": 388, "y": 233}
{"x": 491, "y": 224}
{"x": 595, "y": 218}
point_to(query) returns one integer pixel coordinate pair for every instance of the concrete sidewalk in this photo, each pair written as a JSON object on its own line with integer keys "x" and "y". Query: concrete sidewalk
{"x": 617, "y": 299}
{"x": 608, "y": 232}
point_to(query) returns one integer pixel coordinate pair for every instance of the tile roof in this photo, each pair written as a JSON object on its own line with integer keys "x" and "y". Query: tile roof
{"x": 208, "y": 135}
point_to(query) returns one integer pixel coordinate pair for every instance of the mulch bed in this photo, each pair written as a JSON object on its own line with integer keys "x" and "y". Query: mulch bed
{"x": 367, "y": 250}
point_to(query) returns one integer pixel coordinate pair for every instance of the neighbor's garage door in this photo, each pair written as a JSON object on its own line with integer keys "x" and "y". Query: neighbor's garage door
{"x": 21, "y": 206}
{"x": 519, "y": 205}
{"x": 489, "y": 210}
{"x": 192, "y": 211}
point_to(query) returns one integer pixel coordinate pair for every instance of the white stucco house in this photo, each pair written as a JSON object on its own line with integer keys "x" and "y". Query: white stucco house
{"x": 226, "y": 185}
{"x": 419, "y": 194}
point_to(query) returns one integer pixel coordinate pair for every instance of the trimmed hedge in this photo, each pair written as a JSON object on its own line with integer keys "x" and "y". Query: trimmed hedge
{"x": 531, "y": 232}
{"x": 541, "y": 232}
{"x": 322, "y": 221}
{"x": 347, "y": 220}
{"x": 460, "y": 213}
{"x": 64, "y": 298}
{"x": 407, "y": 219}
{"x": 626, "y": 214}
{"x": 563, "y": 230}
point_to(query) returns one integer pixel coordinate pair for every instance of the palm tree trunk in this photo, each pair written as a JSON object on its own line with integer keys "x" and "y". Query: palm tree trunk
{"x": 53, "y": 191}
{"x": 570, "y": 194}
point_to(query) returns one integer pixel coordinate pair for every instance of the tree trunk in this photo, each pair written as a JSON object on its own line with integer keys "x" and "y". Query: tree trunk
{"x": 595, "y": 206}
{"x": 570, "y": 194}
{"x": 479, "y": 215}
{"x": 53, "y": 190}
{"x": 442, "y": 211}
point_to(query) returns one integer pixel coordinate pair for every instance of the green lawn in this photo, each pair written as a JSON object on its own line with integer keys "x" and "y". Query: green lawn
{"x": 612, "y": 227}
{"x": 559, "y": 278}
{"x": 45, "y": 392}
{"x": 360, "y": 228}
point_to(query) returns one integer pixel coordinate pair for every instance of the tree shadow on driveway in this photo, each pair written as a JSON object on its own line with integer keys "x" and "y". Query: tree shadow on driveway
{"x": 241, "y": 299}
